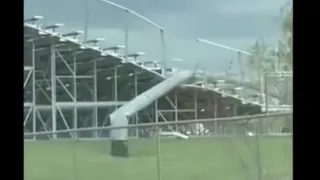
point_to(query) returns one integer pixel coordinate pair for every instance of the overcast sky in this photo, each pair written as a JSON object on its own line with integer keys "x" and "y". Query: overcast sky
{"x": 237, "y": 23}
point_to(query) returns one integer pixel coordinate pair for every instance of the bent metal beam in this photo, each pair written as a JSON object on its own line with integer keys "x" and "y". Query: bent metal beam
{"x": 121, "y": 116}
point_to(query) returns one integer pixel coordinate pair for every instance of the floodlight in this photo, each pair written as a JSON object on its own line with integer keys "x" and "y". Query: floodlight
{"x": 33, "y": 19}
{"x": 137, "y": 54}
{"x": 238, "y": 88}
{"x": 94, "y": 41}
{"x": 73, "y": 34}
{"x": 53, "y": 27}
{"x": 114, "y": 48}
{"x": 256, "y": 95}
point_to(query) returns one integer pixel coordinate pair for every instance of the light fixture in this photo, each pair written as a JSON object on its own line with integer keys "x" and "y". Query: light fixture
{"x": 238, "y": 88}
{"x": 53, "y": 27}
{"x": 114, "y": 48}
{"x": 94, "y": 42}
{"x": 137, "y": 54}
{"x": 73, "y": 34}
{"x": 33, "y": 19}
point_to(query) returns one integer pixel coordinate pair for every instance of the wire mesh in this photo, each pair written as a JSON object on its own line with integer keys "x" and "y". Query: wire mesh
{"x": 242, "y": 149}
{"x": 280, "y": 84}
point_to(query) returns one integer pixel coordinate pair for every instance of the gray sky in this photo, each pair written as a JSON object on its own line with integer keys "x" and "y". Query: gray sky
{"x": 237, "y": 23}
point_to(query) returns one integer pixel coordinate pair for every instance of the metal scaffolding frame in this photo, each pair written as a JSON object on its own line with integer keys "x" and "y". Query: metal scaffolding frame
{"x": 71, "y": 84}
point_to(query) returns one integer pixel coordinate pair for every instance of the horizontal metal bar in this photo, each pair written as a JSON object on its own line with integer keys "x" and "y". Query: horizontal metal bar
{"x": 274, "y": 135}
{"x": 277, "y": 108}
{"x": 77, "y": 77}
{"x": 178, "y": 110}
{"x": 27, "y": 104}
{"x": 70, "y": 105}
{"x": 238, "y": 118}
{"x": 27, "y": 68}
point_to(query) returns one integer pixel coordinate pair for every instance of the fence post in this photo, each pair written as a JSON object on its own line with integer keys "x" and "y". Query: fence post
{"x": 259, "y": 164}
{"x": 158, "y": 141}
{"x": 75, "y": 137}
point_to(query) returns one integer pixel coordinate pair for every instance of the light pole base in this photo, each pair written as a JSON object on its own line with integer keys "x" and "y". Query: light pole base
{"x": 119, "y": 148}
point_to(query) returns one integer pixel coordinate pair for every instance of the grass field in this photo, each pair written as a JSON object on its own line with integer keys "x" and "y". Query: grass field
{"x": 202, "y": 159}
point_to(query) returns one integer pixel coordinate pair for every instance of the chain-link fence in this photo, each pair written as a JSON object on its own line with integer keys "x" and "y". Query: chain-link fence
{"x": 280, "y": 86}
{"x": 238, "y": 148}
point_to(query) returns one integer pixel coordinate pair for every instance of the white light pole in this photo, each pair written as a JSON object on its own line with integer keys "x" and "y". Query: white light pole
{"x": 223, "y": 46}
{"x": 276, "y": 49}
{"x": 227, "y": 48}
{"x": 277, "y": 57}
{"x": 239, "y": 59}
{"x": 247, "y": 54}
{"x": 162, "y": 39}
{"x": 86, "y": 20}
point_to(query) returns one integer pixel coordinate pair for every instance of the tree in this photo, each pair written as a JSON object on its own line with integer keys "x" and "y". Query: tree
{"x": 287, "y": 27}
{"x": 263, "y": 57}
{"x": 266, "y": 59}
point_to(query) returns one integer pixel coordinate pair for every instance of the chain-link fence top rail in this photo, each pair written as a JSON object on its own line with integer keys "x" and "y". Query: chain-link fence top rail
{"x": 231, "y": 119}
{"x": 252, "y": 147}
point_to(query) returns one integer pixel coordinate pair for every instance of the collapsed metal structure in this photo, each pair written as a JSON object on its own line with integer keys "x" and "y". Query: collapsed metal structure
{"x": 72, "y": 84}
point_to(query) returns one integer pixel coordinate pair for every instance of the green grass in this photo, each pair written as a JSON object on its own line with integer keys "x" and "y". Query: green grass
{"x": 202, "y": 159}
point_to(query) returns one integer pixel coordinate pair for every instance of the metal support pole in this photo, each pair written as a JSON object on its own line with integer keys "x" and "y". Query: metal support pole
{"x": 135, "y": 95}
{"x": 216, "y": 115}
{"x": 158, "y": 141}
{"x": 276, "y": 67}
{"x": 129, "y": 11}
{"x": 126, "y": 34}
{"x": 288, "y": 99}
{"x": 34, "y": 126}
{"x": 86, "y": 19}
{"x": 53, "y": 90}
{"x": 234, "y": 113}
{"x": 242, "y": 75}
{"x": 266, "y": 92}
{"x": 156, "y": 113}
{"x": 195, "y": 101}
{"x": 75, "y": 109}
{"x": 176, "y": 109}
{"x": 259, "y": 164}
{"x": 164, "y": 52}
{"x": 115, "y": 77}
{"x": 95, "y": 98}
